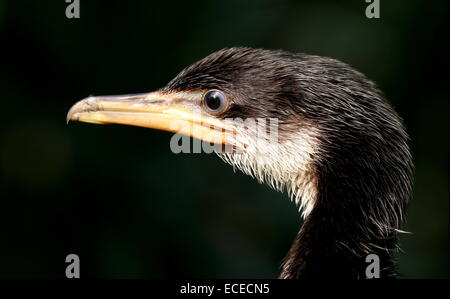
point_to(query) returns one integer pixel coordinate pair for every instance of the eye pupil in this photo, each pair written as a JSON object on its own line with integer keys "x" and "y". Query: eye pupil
{"x": 215, "y": 100}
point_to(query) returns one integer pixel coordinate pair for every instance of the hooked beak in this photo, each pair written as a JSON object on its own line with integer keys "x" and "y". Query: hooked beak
{"x": 174, "y": 112}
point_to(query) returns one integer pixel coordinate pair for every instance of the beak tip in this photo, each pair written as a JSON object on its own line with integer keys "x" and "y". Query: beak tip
{"x": 74, "y": 111}
{"x": 70, "y": 116}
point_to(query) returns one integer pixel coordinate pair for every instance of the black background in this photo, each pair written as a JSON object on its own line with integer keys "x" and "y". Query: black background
{"x": 118, "y": 197}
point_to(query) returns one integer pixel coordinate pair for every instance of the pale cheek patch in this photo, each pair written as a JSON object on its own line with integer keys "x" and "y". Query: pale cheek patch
{"x": 287, "y": 165}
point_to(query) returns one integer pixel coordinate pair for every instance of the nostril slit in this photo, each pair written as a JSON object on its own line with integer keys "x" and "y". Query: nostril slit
{"x": 151, "y": 101}
{"x": 156, "y": 101}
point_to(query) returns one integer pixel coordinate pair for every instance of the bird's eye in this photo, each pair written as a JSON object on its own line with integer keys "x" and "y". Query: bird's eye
{"x": 215, "y": 101}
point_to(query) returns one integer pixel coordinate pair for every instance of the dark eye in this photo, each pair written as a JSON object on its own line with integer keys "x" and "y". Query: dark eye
{"x": 214, "y": 101}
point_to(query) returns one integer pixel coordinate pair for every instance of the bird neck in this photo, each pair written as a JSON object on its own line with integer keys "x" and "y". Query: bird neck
{"x": 339, "y": 233}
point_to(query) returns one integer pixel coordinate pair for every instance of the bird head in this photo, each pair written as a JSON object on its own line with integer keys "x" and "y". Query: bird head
{"x": 297, "y": 122}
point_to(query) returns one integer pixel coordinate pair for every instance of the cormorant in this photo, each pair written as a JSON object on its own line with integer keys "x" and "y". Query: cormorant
{"x": 341, "y": 153}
